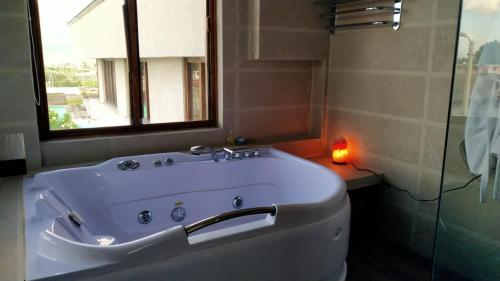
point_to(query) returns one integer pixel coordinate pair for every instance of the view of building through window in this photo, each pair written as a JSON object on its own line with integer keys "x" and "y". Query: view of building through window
{"x": 172, "y": 36}
{"x": 86, "y": 66}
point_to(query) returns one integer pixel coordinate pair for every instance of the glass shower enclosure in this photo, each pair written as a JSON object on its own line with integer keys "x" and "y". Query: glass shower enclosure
{"x": 468, "y": 226}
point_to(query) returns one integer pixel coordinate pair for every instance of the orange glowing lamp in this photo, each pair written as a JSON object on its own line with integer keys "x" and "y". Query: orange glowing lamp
{"x": 340, "y": 152}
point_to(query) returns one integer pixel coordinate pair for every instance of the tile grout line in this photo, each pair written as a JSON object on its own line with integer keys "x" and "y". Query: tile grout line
{"x": 412, "y": 120}
{"x": 411, "y": 73}
{"x": 423, "y": 133}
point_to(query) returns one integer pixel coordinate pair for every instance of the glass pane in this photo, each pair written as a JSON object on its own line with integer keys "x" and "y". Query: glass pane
{"x": 86, "y": 66}
{"x": 172, "y": 44}
{"x": 468, "y": 238}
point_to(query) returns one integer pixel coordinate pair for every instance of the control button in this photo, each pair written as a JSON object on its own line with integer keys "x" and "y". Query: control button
{"x": 145, "y": 217}
{"x": 178, "y": 214}
{"x": 169, "y": 162}
{"x": 237, "y": 202}
{"x": 256, "y": 153}
{"x": 237, "y": 155}
{"x": 246, "y": 154}
{"x": 157, "y": 163}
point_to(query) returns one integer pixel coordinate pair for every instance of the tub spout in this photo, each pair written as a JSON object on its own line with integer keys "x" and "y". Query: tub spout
{"x": 204, "y": 149}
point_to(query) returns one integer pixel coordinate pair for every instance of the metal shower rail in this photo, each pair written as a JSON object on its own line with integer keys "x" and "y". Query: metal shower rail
{"x": 335, "y": 13}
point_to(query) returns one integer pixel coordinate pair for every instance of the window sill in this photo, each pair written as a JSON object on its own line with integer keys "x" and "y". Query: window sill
{"x": 84, "y": 149}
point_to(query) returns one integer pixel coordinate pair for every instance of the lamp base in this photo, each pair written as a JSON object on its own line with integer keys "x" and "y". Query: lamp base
{"x": 339, "y": 163}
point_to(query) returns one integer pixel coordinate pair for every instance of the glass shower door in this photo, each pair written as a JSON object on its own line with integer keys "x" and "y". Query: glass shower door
{"x": 468, "y": 230}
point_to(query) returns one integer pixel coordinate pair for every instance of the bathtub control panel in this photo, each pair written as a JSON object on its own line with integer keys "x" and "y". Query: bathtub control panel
{"x": 233, "y": 154}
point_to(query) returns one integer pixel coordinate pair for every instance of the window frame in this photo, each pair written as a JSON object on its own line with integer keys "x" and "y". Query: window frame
{"x": 134, "y": 64}
{"x": 188, "y": 87}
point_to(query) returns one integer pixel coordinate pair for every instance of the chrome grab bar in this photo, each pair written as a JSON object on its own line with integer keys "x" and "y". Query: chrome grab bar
{"x": 362, "y": 24}
{"x": 229, "y": 215}
{"x": 369, "y": 9}
{"x": 338, "y": 12}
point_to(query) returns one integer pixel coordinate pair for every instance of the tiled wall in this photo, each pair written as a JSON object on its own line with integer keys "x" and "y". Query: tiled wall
{"x": 17, "y": 102}
{"x": 284, "y": 30}
{"x": 388, "y": 95}
{"x": 266, "y": 100}
{"x": 270, "y": 99}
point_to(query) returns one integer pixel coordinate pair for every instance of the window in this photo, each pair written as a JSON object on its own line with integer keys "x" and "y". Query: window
{"x": 145, "y": 93}
{"x": 113, "y": 66}
{"x": 109, "y": 81}
{"x": 195, "y": 90}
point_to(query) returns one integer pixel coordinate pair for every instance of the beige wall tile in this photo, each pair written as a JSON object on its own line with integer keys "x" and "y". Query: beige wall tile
{"x": 376, "y": 134}
{"x": 444, "y": 48}
{"x": 229, "y": 48}
{"x": 230, "y": 13}
{"x": 390, "y": 94}
{"x": 447, "y": 9}
{"x": 400, "y": 174}
{"x": 291, "y": 14}
{"x": 274, "y": 89}
{"x": 382, "y": 49}
{"x": 244, "y": 12}
{"x": 294, "y": 45}
{"x": 15, "y": 49}
{"x": 319, "y": 79}
{"x": 434, "y": 146}
{"x": 439, "y": 99}
{"x": 229, "y": 93}
{"x": 274, "y": 123}
{"x": 417, "y": 11}
{"x": 287, "y": 30}
{"x": 245, "y": 61}
{"x": 16, "y": 91}
{"x": 316, "y": 121}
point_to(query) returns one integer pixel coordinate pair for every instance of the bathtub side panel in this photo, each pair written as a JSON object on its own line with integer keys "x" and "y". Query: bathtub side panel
{"x": 306, "y": 253}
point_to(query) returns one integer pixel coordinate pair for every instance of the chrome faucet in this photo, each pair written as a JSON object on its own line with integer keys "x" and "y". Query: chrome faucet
{"x": 204, "y": 149}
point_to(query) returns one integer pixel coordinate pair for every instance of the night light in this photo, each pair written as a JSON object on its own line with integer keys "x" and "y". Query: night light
{"x": 340, "y": 152}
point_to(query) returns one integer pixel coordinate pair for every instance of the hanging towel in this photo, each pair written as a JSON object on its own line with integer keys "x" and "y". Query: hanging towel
{"x": 495, "y": 142}
{"x": 479, "y": 130}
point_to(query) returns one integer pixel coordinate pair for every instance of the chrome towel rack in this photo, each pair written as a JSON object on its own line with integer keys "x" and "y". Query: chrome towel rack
{"x": 340, "y": 9}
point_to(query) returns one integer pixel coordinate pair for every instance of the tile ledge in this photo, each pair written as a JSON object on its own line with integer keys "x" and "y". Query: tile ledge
{"x": 354, "y": 179}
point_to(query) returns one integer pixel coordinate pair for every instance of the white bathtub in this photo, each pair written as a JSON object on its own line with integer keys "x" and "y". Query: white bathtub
{"x": 85, "y": 223}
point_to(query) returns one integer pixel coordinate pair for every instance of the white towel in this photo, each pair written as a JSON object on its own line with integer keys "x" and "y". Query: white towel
{"x": 482, "y": 131}
{"x": 495, "y": 142}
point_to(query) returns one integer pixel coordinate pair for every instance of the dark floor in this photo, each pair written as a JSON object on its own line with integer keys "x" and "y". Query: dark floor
{"x": 373, "y": 261}
{"x": 371, "y": 258}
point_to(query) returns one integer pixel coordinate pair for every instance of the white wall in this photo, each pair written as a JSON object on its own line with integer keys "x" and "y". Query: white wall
{"x": 101, "y": 32}
{"x": 172, "y": 28}
{"x": 101, "y": 85}
{"x": 166, "y": 89}
{"x": 122, "y": 87}
{"x": 167, "y": 28}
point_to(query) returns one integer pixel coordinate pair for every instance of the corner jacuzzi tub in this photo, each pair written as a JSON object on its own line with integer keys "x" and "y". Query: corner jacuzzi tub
{"x": 271, "y": 217}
